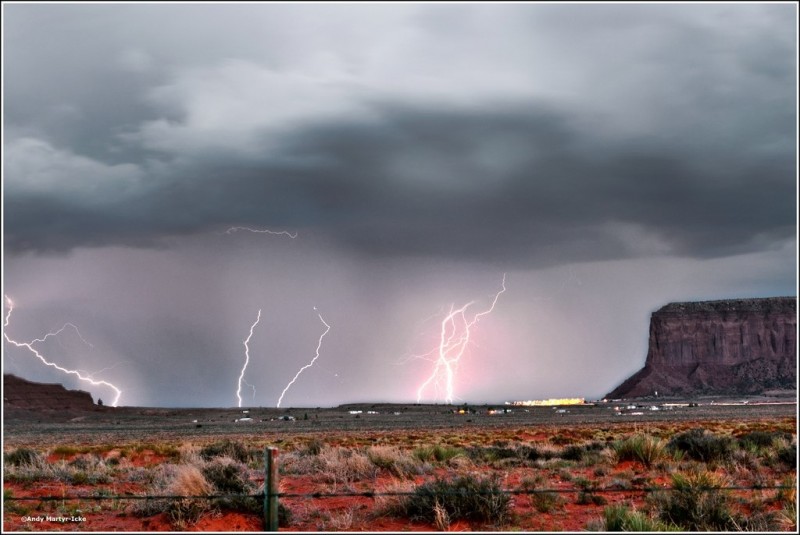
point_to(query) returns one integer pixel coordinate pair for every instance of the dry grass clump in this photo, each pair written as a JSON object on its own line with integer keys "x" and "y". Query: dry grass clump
{"x": 437, "y": 453}
{"x": 194, "y": 481}
{"x": 226, "y": 448}
{"x": 189, "y": 453}
{"x": 398, "y": 462}
{"x": 188, "y": 481}
{"x": 332, "y": 464}
{"x": 87, "y": 469}
{"x": 641, "y": 448}
{"x": 21, "y": 456}
{"x": 389, "y": 504}
{"x": 622, "y": 518}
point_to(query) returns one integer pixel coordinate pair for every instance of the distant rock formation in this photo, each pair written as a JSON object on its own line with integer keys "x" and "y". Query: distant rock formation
{"x": 22, "y": 394}
{"x": 736, "y": 346}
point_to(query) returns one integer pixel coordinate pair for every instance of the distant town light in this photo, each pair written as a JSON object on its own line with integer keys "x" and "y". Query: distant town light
{"x": 547, "y": 402}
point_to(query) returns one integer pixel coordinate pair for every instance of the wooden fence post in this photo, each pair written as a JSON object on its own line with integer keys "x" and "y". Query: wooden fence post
{"x": 271, "y": 489}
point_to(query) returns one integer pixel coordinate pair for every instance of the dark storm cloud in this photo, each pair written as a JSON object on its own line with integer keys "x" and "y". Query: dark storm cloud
{"x": 511, "y": 185}
{"x": 558, "y": 139}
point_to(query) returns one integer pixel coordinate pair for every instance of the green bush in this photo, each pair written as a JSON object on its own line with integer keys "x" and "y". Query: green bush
{"x": 701, "y": 445}
{"x": 463, "y": 498}
{"x": 640, "y": 448}
{"x": 436, "y": 453}
{"x": 695, "y": 503}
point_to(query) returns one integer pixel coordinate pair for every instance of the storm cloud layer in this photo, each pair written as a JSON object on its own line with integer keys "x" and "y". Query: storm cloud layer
{"x": 516, "y": 137}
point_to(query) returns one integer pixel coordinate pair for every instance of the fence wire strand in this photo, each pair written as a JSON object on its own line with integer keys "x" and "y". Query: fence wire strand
{"x": 374, "y": 494}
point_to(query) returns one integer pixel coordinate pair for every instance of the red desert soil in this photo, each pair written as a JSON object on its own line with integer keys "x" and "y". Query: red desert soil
{"x": 359, "y": 513}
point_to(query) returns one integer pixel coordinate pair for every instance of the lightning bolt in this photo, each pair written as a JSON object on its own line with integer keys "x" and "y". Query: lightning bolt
{"x": 247, "y": 361}
{"x": 262, "y": 231}
{"x": 453, "y": 340}
{"x": 319, "y": 345}
{"x": 251, "y": 386}
{"x": 29, "y": 347}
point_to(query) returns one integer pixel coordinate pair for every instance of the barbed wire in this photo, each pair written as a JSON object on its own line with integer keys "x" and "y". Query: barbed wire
{"x": 373, "y": 494}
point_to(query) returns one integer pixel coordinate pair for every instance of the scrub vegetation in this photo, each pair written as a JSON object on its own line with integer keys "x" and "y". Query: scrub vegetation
{"x": 665, "y": 477}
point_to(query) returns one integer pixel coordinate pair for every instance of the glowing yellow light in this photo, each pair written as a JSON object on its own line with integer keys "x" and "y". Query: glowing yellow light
{"x": 548, "y": 402}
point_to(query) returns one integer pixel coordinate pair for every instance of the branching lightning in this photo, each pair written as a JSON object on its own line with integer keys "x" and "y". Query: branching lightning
{"x": 262, "y": 231}
{"x": 319, "y": 345}
{"x": 453, "y": 341}
{"x": 29, "y": 347}
{"x": 247, "y": 361}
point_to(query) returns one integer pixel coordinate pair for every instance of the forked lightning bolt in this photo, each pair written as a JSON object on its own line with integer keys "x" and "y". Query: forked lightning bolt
{"x": 29, "y": 347}
{"x": 319, "y": 345}
{"x": 453, "y": 340}
{"x": 262, "y": 231}
{"x": 247, "y": 361}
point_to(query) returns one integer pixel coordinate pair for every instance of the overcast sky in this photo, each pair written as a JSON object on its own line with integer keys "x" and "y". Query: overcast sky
{"x": 607, "y": 158}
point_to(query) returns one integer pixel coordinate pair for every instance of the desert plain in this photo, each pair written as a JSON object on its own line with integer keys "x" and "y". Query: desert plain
{"x": 700, "y": 464}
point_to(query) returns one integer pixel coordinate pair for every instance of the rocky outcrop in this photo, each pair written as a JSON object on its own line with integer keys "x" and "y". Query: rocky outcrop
{"x": 26, "y": 395}
{"x": 736, "y": 346}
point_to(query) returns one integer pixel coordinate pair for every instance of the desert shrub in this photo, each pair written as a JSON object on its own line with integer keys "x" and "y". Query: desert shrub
{"x": 13, "y": 506}
{"x": 702, "y": 445}
{"x": 745, "y": 461}
{"x": 226, "y": 448}
{"x": 545, "y": 501}
{"x": 764, "y": 521}
{"x": 787, "y": 496}
{"x": 621, "y": 518}
{"x": 85, "y": 470}
{"x": 395, "y": 461}
{"x": 640, "y": 448}
{"x": 89, "y": 469}
{"x": 573, "y": 452}
{"x": 620, "y": 483}
{"x": 227, "y": 476}
{"x": 188, "y": 481}
{"x": 437, "y": 453}
{"x": 65, "y": 450}
{"x": 314, "y": 446}
{"x": 695, "y": 503}
{"x": 535, "y": 453}
{"x": 190, "y": 454}
{"x": 463, "y": 498}
{"x": 761, "y": 439}
{"x": 787, "y": 455}
{"x": 390, "y": 500}
{"x": 587, "y": 497}
{"x": 332, "y": 465}
{"x": 21, "y": 456}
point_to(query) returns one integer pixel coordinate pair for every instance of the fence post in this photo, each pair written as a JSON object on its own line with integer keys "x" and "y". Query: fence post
{"x": 271, "y": 489}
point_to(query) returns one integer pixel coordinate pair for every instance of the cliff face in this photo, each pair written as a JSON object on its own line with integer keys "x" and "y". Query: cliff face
{"x": 27, "y": 395}
{"x": 738, "y": 346}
